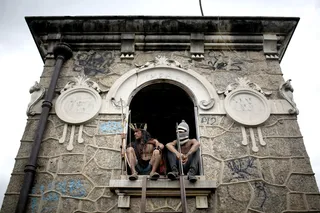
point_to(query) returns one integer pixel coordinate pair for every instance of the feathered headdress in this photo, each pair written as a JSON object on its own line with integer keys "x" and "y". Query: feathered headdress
{"x": 135, "y": 126}
{"x": 143, "y": 127}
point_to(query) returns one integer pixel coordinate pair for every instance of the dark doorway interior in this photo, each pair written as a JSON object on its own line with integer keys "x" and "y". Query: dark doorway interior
{"x": 161, "y": 106}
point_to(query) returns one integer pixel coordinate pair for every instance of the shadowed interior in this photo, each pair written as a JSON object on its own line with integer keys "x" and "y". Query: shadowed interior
{"x": 161, "y": 106}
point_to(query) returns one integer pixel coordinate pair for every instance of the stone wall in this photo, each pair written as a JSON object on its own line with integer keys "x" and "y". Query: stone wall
{"x": 276, "y": 178}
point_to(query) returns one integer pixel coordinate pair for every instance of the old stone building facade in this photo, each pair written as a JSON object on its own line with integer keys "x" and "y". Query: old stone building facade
{"x": 221, "y": 74}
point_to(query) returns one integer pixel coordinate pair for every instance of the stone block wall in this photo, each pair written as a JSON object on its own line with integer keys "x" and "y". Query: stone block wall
{"x": 276, "y": 178}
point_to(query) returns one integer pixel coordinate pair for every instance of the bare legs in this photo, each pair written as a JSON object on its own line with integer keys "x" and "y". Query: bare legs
{"x": 132, "y": 159}
{"x": 155, "y": 160}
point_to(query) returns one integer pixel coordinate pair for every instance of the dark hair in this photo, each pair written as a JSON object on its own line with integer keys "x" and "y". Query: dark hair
{"x": 145, "y": 136}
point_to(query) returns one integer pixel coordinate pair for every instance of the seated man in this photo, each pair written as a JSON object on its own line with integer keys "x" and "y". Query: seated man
{"x": 144, "y": 155}
{"x": 189, "y": 154}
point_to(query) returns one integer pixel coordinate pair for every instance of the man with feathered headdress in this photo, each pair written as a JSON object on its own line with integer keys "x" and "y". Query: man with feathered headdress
{"x": 144, "y": 155}
{"x": 189, "y": 154}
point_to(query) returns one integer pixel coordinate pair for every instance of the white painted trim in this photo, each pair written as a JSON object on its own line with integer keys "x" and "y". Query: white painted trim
{"x": 196, "y": 86}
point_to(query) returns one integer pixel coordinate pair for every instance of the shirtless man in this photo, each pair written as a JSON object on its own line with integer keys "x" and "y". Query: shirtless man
{"x": 144, "y": 155}
{"x": 189, "y": 154}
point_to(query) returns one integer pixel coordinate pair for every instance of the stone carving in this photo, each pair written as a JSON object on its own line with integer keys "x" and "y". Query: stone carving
{"x": 245, "y": 103}
{"x": 37, "y": 93}
{"x": 130, "y": 56}
{"x": 253, "y": 140}
{"x": 92, "y": 63}
{"x": 194, "y": 84}
{"x": 205, "y": 105}
{"x": 160, "y": 61}
{"x": 286, "y": 91}
{"x": 81, "y": 81}
{"x": 247, "y": 107}
{"x": 243, "y": 83}
{"x": 78, "y": 103}
{"x": 72, "y": 134}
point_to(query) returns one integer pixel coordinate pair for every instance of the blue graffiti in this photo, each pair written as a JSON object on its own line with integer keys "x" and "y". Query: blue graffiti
{"x": 49, "y": 209}
{"x": 51, "y": 197}
{"x": 34, "y": 205}
{"x": 61, "y": 187}
{"x": 41, "y": 189}
{"x": 111, "y": 127}
{"x": 73, "y": 188}
{"x": 76, "y": 188}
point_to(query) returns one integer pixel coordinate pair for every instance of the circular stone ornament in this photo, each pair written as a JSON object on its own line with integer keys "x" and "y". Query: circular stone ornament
{"x": 78, "y": 105}
{"x": 247, "y": 107}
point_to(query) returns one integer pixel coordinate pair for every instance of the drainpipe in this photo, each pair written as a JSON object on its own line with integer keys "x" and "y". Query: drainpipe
{"x": 62, "y": 52}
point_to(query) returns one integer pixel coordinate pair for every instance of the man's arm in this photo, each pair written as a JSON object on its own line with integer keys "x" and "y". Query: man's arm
{"x": 194, "y": 147}
{"x": 158, "y": 144}
{"x": 171, "y": 147}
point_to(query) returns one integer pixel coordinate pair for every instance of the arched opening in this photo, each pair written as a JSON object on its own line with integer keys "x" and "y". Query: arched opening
{"x": 161, "y": 106}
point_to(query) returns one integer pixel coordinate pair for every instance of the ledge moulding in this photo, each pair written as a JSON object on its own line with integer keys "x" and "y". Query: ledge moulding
{"x": 197, "y": 46}
{"x": 127, "y": 46}
{"x": 270, "y": 47}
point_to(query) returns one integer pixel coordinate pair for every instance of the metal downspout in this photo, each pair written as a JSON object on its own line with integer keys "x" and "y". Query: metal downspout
{"x": 62, "y": 52}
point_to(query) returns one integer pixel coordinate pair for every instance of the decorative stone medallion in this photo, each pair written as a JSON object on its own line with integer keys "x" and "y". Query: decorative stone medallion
{"x": 78, "y": 105}
{"x": 247, "y": 106}
{"x": 79, "y": 101}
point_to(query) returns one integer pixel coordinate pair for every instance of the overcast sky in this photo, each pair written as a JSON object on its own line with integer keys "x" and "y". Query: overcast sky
{"x": 21, "y": 64}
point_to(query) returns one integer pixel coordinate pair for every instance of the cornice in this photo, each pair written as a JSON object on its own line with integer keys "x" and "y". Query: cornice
{"x": 162, "y": 32}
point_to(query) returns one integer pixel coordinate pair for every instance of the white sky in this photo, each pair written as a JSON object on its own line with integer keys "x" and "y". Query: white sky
{"x": 21, "y": 64}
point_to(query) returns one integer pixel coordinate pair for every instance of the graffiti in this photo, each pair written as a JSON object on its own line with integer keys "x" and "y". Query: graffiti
{"x": 218, "y": 61}
{"x": 221, "y": 62}
{"x": 34, "y": 205}
{"x": 262, "y": 193}
{"x": 242, "y": 168}
{"x": 111, "y": 127}
{"x": 51, "y": 203}
{"x": 73, "y": 188}
{"x": 208, "y": 120}
{"x": 51, "y": 197}
{"x": 92, "y": 63}
{"x": 235, "y": 66}
{"x": 49, "y": 209}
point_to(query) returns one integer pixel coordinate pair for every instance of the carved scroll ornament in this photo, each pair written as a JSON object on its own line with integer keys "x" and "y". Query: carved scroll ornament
{"x": 244, "y": 83}
{"x": 286, "y": 91}
{"x": 205, "y": 105}
{"x": 37, "y": 93}
{"x": 160, "y": 61}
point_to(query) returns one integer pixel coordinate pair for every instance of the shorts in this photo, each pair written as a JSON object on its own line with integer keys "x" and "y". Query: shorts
{"x": 143, "y": 171}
